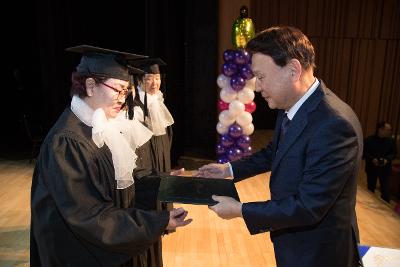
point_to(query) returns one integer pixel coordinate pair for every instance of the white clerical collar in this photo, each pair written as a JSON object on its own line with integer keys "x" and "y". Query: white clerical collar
{"x": 108, "y": 131}
{"x": 293, "y": 110}
{"x": 160, "y": 117}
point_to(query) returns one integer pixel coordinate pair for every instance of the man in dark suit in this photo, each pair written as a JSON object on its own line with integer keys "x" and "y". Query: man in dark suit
{"x": 314, "y": 159}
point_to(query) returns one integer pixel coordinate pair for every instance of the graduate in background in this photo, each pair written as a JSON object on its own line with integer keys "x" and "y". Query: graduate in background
{"x": 146, "y": 186}
{"x": 83, "y": 186}
{"x": 150, "y": 109}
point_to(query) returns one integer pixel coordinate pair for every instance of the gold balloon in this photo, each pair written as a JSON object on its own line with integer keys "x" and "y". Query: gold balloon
{"x": 242, "y": 29}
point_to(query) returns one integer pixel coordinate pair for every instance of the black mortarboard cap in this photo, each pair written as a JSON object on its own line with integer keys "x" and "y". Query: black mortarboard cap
{"x": 148, "y": 65}
{"x": 106, "y": 62}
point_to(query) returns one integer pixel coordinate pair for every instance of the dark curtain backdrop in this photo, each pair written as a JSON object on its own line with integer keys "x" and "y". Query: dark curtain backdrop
{"x": 186, "y": 36}
{"x": 37, "y": 77}
{"x": 357, "y": 49}
{"x": 357, "y": 46}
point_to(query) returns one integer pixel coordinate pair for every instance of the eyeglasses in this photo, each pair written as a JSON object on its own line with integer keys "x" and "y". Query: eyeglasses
{"x": 124, "y": 92}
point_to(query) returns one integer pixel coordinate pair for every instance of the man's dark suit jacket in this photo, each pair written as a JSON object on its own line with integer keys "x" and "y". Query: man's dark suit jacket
{"x": 311, "y": 214}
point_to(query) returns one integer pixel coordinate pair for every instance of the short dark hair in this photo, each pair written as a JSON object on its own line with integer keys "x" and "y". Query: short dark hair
{"x": 283, "y": 43}
{"x": 78, "y": 86}
{"x": 380, "y": 125}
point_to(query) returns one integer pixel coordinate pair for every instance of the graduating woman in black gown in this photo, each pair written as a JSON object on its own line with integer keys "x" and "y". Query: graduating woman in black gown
{"x": 82, "y": 198}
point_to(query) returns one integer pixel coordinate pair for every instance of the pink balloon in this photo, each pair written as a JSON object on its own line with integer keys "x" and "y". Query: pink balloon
{"x": 248, "y": 129}
{"x": 250, "y": 107}
{"x": 235, "y": 108}
{"x": 246, "y": 95}
{"x": 223, "y": 81}
{"x": 225, "y": 118}
{"x": 221, "y": 129}
{"x": 227, "y": 94}
{"x": 222, "y": 105}
{"x": 244, "y": 119}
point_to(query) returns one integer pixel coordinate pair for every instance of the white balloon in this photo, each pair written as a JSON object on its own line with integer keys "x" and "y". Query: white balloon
{"x": 222, "y": 129}
{"x": 246, "y": 95}
{"x": 223, "y": 81}
{"x": 251, "y": 83}
{"x": 235, "y": 108}
{"x": 227, "y": 94}
{"x": 248, "y": 129}
{"x": 244, "y": 119}
{"x": 225, "y": 118}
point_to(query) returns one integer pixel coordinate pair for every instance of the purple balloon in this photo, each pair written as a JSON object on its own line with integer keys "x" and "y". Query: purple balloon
{"x": 229, "y": 55}
{"x": 222, "y": 159}
{"x": 229, "y": 69}
{"x": 220, "y": 149}
{"x": 226, "y": 140}
{"x": 247, "y": 151}
{"x": 243, "y": 141}
{"x": 245, "y": 72}
{"x": 237, "y": 82}
{"x": 235, "y": 130}
{"x": 234, "y": 153}
{"x": 242, "y": 56}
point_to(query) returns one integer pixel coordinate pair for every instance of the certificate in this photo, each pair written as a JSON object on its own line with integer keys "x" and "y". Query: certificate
{"x": 195, "y": 190}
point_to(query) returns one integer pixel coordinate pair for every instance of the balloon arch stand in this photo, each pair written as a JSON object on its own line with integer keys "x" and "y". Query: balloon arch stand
{"x": 236, "y": 103}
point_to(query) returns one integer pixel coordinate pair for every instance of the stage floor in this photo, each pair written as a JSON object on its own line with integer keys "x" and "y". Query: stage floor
{"x": 208, "y": 241}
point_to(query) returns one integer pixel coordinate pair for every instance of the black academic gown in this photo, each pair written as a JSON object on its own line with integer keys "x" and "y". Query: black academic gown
{"x": 158, "y": 146}
{"x": 161, "y": 150}
{"x": 78, "y": 217}
{"x": 155, "y": 155}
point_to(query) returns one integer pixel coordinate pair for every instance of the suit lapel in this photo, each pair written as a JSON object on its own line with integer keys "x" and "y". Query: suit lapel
{"x": 297, "y": 125}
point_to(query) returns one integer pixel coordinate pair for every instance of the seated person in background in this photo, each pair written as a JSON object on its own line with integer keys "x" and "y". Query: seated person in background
{"x": 83, "y": 190}
{"x": 379, "y": 151}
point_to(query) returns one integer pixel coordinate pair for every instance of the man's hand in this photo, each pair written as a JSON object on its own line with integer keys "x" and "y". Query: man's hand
{"x": 177, "y": 219}
{"x": 214, "y": 170}
{"x": 227, "y": 207}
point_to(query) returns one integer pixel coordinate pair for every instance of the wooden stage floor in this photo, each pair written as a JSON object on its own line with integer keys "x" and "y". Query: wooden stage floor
{"x": 207, "y": 241}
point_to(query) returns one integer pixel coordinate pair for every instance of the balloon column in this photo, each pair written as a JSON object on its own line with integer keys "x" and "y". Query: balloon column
{"x": 237, "y": 94}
